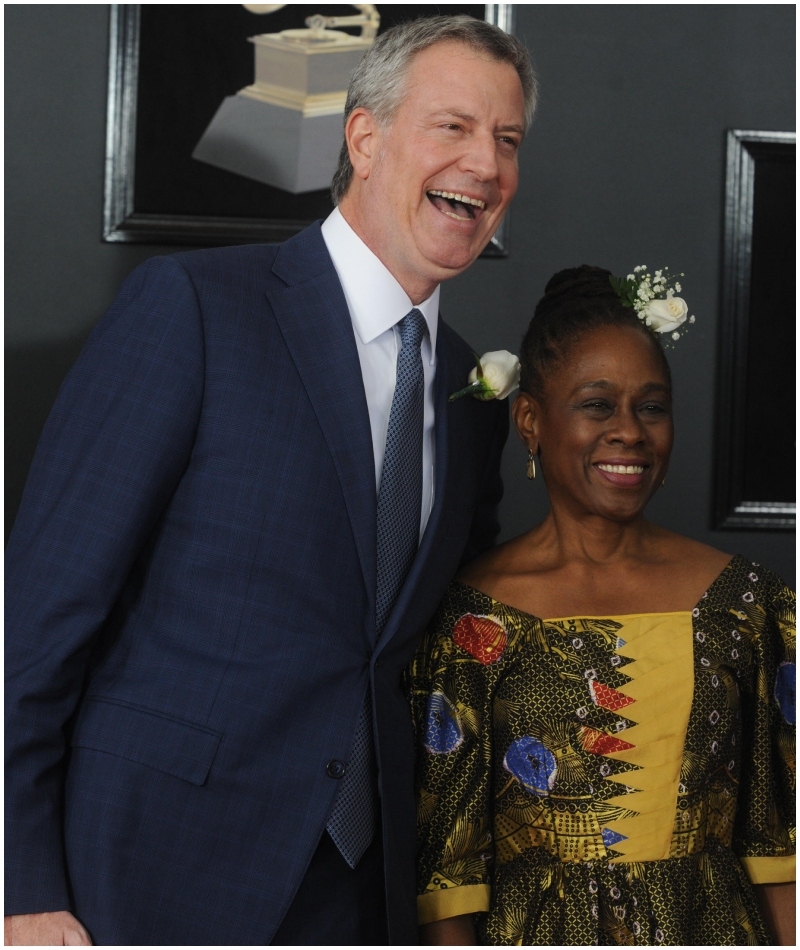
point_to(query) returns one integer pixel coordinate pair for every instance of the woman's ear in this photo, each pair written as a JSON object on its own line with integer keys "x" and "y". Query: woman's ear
{"x": 526, "y": 414}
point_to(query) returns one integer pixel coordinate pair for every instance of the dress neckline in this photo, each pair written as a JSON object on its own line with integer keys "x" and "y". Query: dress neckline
{"x": 655, "y": 613}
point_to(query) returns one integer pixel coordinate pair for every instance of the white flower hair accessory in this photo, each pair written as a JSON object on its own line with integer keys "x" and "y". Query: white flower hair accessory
{"x": 653, "y": 298}
{"x": 495, "y": 376}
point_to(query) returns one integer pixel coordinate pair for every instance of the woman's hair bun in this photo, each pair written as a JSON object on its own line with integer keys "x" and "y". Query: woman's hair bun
{"x": 582, "y": 283}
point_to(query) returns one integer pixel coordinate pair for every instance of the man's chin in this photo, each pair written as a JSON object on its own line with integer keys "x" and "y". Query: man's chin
{"x": 452, "y": 260}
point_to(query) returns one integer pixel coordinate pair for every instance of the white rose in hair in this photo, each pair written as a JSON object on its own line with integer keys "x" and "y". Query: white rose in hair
{"x": 500, "y": 375}
{"x": 664, "y": 316}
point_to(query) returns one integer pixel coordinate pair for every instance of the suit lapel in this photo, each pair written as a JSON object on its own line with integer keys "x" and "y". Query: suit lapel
{"x": 315, "y": 322}
{"x": 314, "y": 319}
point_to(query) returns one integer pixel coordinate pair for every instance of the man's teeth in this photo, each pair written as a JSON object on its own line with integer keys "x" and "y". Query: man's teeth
{"x": 464, "y": 199}
{"x": 622, "y": 469}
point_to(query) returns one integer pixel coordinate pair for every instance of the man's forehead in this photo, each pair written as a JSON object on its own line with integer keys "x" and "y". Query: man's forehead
{"x": 451, "y": 51}
{"x": 439, "y": 77}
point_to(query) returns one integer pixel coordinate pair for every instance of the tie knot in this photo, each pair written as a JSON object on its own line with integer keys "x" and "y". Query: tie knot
{"x": 412, "y": 329}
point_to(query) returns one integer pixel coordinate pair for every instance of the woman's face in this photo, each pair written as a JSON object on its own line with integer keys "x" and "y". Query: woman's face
{"x": 604, "y": 429}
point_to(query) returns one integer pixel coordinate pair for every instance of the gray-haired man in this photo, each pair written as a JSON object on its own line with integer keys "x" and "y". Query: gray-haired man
{"x": 249, "y": 502}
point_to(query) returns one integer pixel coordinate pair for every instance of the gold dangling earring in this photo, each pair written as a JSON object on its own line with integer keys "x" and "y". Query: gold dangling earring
{"x": 531, "y": 465}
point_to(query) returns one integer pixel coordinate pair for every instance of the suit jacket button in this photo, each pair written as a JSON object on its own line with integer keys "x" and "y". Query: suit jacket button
{"x": 335, "y": 768}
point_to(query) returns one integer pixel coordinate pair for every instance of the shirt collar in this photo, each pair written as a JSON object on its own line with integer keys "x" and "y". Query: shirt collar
{"x": 374, "y": 297}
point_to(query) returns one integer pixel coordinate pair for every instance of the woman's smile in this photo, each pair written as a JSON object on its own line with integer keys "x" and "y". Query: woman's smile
{"x": 622, "y": 473}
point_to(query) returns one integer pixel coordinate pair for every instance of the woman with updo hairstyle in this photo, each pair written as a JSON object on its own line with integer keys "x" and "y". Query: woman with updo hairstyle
{"x": 604, "y": 709}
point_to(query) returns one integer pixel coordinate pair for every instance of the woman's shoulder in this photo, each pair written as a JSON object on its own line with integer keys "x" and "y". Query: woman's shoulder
{"x": 464, "y": 620}
{"x": 497, "y": 564}
{"x": 697, "y": 556}
{"x": 751, "y": 583}
{"x": 460, "y": 599}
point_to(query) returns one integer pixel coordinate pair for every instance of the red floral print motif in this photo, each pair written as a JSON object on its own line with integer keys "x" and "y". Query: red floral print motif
{"x": 606, "y": 697}
{"x": 481, "y": 637}
{"x": 601, "y": 743}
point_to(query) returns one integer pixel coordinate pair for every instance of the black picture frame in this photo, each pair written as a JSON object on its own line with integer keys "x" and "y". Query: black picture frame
{"x": 755, "y": 423}
{"x": 128, "y": 217}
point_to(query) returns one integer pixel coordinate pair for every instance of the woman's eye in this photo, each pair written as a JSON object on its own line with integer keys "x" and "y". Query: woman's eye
{"x": 654, "y": 408}
{"x": 597, "y": 405}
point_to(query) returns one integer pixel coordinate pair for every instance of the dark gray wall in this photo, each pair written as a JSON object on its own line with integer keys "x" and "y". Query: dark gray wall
{"x": 624, "y": 165}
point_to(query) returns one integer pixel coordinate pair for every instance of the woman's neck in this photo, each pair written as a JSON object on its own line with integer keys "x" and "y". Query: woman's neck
{"x": 563, "y": 538}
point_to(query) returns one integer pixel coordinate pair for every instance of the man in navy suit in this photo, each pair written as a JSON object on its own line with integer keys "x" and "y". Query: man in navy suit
{"x": 192, "y": 636}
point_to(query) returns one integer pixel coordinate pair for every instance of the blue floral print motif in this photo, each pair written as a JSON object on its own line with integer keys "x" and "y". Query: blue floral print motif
{"x": 443, "y": 732}
{"x": 529, "y": 760}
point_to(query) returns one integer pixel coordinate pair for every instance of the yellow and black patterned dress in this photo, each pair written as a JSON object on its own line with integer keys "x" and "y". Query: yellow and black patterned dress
{"x": 614, "y": 780}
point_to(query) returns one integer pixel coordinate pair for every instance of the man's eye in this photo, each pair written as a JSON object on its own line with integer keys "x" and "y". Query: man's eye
{"x": 654, "y": 408}
{"x": 597, "y": 405}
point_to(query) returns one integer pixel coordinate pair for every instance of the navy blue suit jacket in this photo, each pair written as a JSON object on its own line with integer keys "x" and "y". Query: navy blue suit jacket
{"x": 191, "y": 599}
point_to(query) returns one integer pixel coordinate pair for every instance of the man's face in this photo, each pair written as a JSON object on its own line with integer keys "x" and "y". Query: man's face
{"x": 457, "y": 132}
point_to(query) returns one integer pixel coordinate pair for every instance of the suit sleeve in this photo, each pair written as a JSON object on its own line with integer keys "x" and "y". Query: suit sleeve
{"x": 112, "y": 452}
{"x": 485, "y": 522}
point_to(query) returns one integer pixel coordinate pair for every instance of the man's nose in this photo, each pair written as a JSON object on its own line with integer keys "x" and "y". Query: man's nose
{"x": 480, "y": 156}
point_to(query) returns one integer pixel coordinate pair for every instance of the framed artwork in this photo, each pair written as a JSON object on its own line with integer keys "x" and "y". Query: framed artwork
{"x": 755, "y": 450}
{"x": 173, "y": 70}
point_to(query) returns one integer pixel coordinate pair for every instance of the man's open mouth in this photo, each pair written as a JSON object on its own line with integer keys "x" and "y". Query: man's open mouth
{"x": 460, "y": 207}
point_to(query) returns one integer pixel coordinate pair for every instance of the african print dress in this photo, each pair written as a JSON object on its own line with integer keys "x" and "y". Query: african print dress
{"x": 614, "y": 780}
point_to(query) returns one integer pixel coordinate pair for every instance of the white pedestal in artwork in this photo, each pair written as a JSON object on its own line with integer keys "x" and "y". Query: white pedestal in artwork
{"x": 272, "y": 144}
{"x": 286, "y": 130}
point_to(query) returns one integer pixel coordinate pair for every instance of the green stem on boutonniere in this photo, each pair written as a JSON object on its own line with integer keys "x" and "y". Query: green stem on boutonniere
{"x": 475, "y": 387}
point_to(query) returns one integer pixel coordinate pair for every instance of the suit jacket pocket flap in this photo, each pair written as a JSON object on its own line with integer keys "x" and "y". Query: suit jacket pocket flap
{"x": 170, "y": 745}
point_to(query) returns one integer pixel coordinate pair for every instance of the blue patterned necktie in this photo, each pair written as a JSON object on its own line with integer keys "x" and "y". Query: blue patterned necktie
{"x": 354, "y": 817}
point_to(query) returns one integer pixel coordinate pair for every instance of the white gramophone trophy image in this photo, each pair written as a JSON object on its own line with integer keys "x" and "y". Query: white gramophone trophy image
{"x": 285, "y": 130}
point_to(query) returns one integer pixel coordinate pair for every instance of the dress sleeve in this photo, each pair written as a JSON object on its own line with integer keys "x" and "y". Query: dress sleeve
{"x": 764, "y": 836}
{"x": 452, "y": 681}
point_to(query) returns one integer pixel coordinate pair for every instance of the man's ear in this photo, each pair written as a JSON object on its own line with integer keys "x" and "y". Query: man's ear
{"x": 362, "y": 134}
{"x": 526, "y": 414}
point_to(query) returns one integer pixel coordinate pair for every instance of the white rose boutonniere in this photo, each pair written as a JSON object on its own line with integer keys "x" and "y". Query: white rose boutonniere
{"x": 495, "y": 376}
{"x": 653, "y": 298}
{"x": 667, "y": 315}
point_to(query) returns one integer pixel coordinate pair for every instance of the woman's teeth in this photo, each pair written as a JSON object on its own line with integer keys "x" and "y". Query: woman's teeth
{"x": 622, "y": 469}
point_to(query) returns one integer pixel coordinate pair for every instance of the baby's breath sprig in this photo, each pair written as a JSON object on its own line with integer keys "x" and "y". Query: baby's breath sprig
{"x": 653, "y": 297}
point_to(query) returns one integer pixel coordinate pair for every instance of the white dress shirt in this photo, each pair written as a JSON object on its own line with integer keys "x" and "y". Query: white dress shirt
{"x": 377, "y": 303}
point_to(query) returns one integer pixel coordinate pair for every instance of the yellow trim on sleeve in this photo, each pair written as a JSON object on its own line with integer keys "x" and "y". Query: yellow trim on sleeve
{"x": 769, "y": 870}
{"x": 452, "y": 901}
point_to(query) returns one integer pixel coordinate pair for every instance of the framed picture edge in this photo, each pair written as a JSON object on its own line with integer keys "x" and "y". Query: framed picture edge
{"x": 731, "y": 510}
{"x": 122, "y": 224}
